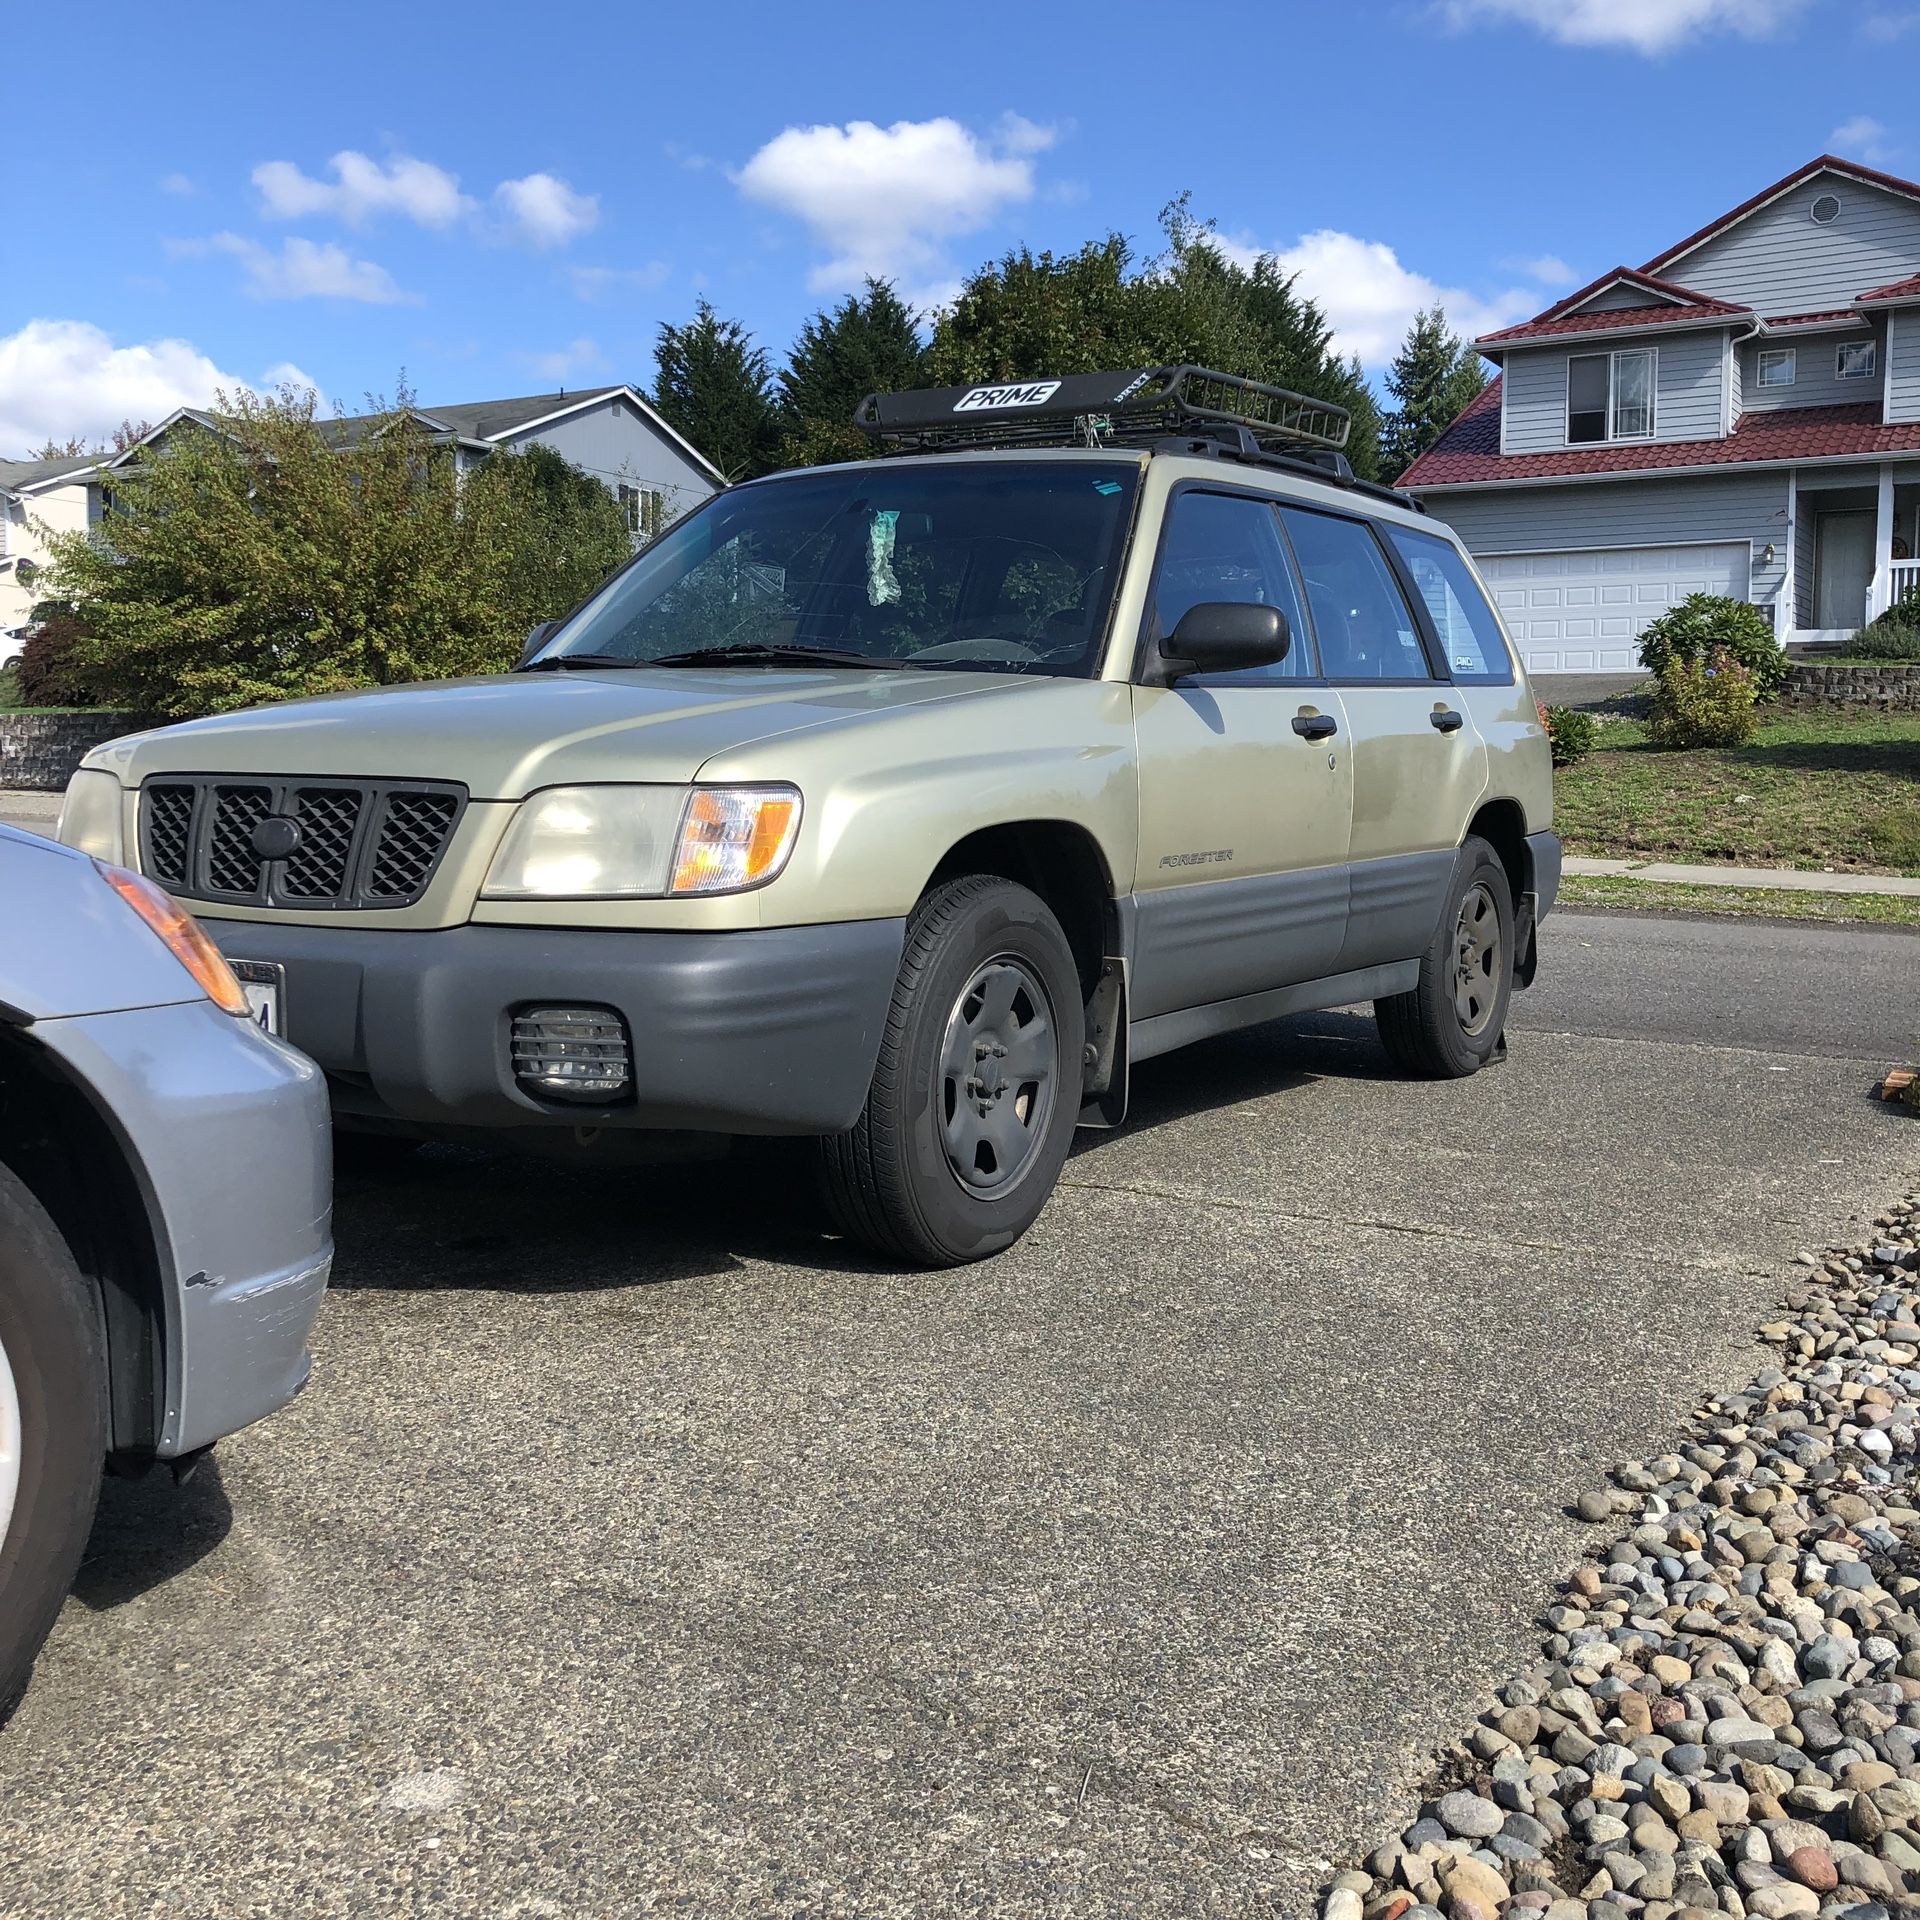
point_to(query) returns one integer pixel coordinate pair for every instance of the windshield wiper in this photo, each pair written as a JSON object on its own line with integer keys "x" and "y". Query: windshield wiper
{"x": 565, "y": 662}
{"x": 756, "y": 655}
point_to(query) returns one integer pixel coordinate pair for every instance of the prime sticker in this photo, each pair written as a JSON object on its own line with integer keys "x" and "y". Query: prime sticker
{"x": 1034, "y": 393}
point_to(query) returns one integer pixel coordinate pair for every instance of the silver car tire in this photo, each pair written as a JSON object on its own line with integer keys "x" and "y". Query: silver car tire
{"x": 53, "y": 1356}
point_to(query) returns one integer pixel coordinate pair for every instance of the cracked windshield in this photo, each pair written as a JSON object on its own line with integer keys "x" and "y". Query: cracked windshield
{"x": 1002, "y": 567}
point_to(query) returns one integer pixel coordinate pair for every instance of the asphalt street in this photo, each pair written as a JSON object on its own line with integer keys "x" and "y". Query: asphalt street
{"x": 637, "y": 1551}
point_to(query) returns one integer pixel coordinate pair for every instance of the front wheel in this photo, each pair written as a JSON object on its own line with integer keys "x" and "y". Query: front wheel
{"x": 977, "y": 1088}
{"x": 1451, "y": 1023}
{"x": 53, "y": 1426}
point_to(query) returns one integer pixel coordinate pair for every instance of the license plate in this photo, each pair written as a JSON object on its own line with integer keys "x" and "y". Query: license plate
{"x": 264, "y": 982}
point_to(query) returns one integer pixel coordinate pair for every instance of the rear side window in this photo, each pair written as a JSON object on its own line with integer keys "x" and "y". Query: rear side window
{"x": 1360, "y": 617}
{"x": 1224, "y": 546}
{"x": 1470, "y": 637}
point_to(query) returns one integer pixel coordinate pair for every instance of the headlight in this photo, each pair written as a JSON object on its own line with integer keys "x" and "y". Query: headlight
{"x": 589, "y": 843}
{"x": 90, "y": 816}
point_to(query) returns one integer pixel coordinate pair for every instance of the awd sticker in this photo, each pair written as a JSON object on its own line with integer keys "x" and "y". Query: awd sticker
{"x": 979, "y": 399}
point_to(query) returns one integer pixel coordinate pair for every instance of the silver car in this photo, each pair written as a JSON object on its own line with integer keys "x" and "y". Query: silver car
{"x": 165, "y": 1208}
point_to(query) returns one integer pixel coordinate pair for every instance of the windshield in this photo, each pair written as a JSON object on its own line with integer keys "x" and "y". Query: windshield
{"x": 1001, "y": 566}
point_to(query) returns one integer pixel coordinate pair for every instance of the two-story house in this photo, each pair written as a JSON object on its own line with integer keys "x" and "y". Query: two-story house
{"x": 37, "y": 497}
{"x": 1739, "y": 416}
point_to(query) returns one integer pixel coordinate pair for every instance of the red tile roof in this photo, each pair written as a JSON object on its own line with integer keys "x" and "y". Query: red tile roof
{"x": 1899, "y": 290}
{"x": 1468, "y": 453}
{"x": 1826, "y": 163}
{"x": 1611, "y": 319}
{"x": 1809, "y": 319}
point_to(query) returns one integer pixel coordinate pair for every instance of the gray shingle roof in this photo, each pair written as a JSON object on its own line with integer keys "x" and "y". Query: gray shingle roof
{"x": 27, "y": 473}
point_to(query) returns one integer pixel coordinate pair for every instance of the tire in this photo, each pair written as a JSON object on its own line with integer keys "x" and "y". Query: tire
{"x": 1451, "y": 1024}
{"x": 53, "y": 1424}
{"x": 955, "y": 1153}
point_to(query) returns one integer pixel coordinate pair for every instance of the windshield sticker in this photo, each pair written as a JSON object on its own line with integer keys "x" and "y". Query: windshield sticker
{"x": 883, "y": 586}
{"x": 1036, "y": 393}
{"x": 1106, "y": 486}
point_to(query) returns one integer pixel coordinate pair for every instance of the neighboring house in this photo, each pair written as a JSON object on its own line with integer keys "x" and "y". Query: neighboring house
{"x": 1739, "y": 416}
{"x": 36, "y": 494}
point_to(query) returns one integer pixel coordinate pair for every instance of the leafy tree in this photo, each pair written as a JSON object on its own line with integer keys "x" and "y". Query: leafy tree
{"x": 272, "y": 558}
{"x": 1028, "y": 314}
{"x": 122, "y": 437}
{"x": 870, "y": 343}
{"x": 1435, "y": 378}
{"x": 713, "y": 385}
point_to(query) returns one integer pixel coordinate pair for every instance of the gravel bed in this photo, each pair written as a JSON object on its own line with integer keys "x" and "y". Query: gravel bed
{"x": 1727, "y": 1716}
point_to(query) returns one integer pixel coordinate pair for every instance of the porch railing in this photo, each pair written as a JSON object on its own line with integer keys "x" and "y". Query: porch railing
{"x": 1903, "y": 580}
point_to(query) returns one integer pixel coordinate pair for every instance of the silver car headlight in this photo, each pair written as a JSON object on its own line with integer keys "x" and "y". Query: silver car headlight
{"x": 91, "y": 816}
{"x": 597, "y": 843}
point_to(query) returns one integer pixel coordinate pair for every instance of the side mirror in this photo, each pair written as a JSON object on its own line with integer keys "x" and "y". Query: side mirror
{"x": 535, "y": 640}
{"x": 1221, "y": 636}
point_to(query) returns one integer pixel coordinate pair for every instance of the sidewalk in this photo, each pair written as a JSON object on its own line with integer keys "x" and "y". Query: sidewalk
{"x": 1762, "y": 879}
{"x": 37, "y": 812}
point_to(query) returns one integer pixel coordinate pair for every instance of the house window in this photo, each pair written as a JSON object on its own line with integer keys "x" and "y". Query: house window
{"x": 645, "y": 509}
{"x": 1855, "y": 361}
{"x": 1610, "y": 396}
{"x": 1777, "y": 366}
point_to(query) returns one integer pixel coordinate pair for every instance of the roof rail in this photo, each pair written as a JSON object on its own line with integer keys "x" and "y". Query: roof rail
{"x": 1101, "y": 409}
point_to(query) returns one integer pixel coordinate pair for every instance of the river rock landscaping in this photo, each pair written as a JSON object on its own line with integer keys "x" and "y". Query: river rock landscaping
{"x": 1727, "y": 1716}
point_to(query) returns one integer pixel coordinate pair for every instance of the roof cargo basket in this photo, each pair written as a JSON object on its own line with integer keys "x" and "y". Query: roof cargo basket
{"x": 1104, "y": 409}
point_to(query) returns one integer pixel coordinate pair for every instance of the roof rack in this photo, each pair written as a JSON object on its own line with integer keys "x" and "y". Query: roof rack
{"x": 1182, "y": 409}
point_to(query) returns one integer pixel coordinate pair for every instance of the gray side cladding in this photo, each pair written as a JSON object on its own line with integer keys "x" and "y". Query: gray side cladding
{"x": 1749, "y": 507}
{"x": 1903, "y": 351}
{"x": 615, "y": 444}
{"x": 1687, "y": 392}
{"x": 1780, "y": 260}
{"x": 1816, "y": 378}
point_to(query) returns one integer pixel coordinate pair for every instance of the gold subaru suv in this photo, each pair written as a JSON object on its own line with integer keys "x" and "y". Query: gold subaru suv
{"x": 910, "y": 804}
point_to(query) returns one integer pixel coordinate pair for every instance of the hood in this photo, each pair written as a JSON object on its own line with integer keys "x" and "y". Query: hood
{"x": 508, "y": 734}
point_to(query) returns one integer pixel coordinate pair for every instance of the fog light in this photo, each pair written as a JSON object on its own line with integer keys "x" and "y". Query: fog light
{"x": 572, "y": 1053}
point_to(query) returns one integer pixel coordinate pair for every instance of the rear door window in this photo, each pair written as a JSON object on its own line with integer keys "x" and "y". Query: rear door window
{"x": 1361, "y": 619}
{"x": 1470, "y": 638}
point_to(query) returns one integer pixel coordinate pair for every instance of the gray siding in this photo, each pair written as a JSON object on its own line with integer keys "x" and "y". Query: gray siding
{"x": 1778, "y": 261}
{"x": 1687, "y": 394}
{"x": 1616, "y": 297}
{"x": 1903, "y": 351}
{"x": 1627, "y": 513}
{"x": 1815, "y": 383}
{"x": 615, "y": 444}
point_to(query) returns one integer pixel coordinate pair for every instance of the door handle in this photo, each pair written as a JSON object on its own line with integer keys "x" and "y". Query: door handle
{"x": 1315, "y": 726}
{"x": 1445, "y": 720}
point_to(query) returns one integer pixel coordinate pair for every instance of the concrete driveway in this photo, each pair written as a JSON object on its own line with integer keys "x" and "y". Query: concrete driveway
{"x": 636, "y": 1551}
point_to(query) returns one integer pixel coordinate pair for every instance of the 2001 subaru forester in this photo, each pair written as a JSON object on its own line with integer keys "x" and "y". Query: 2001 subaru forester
{"x": 909, "y": 804}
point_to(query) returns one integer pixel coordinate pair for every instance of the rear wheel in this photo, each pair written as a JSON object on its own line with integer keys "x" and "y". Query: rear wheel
{"x": 1451, "y": 1023}
{"x": 977, "y": 1088}
{"x": 53, "y": 1426}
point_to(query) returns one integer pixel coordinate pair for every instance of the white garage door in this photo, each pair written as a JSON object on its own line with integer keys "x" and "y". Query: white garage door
{"x": 1583, "y": 612}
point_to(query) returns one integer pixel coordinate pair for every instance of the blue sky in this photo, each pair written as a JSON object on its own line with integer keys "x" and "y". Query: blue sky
{"x": 502, "y": 200}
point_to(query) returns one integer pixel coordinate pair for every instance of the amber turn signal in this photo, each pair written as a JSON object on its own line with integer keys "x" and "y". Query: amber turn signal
{"x": 186, "y": 939}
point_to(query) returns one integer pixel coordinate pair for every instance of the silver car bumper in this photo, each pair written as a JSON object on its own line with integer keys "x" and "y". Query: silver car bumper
{"x": 228, "y": 1133}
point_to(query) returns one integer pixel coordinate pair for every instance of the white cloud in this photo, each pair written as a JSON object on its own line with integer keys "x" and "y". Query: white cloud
{"x": 576, "y": 357}
{"x": 1643, "y": 26}
{"x": 177, "y": 183}
{"x": 886, "y": 200}
{"x": 1863, "y": 138}
{"x": 1885, "y": 28}
{"x": 543, "y": 211}
{"x": 63, "y": 377}
{"x": 1370, "y": 296}
{"x": 590, "y": 283}
{"x": 417, "y": 190}
{"x": 300, "y": 270}
{"x": 1547, "y": 270}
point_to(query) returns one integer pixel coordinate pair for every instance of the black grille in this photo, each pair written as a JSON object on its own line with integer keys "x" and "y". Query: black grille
{"x": 361, "y": 843}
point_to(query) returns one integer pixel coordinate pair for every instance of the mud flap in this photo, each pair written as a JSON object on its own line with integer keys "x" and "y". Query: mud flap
{"x": 1103, "y": 1100}
{"x": 1526, "y": 941}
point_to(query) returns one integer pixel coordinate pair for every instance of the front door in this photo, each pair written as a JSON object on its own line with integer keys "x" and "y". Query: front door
{"x": 1244, "y": 814}
{"x": 1842, "y": 568}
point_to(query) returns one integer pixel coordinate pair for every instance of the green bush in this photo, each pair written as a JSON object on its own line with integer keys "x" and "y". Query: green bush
{"x": 1704, "y": 623}
{"x": 10, "y": 688}
{"x": 1570, "y": 732}
{"x": 49, "y": 671}
{"x": 1704, "y": 703}
{"x": 1895, "y": 635}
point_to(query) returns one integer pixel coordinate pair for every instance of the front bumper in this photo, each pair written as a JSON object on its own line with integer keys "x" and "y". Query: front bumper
{"x": 227, "y": 1132}
{"x": 762, "y": 1030}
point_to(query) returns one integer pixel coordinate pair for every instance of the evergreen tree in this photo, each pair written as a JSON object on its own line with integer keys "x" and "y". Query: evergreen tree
{"x": 715, "y": 388}
{"x": 870, "y": 343}
{"x": 1434, "y": 378}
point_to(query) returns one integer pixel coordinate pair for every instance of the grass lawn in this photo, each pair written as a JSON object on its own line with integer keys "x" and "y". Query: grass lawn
{"x": 1817, "y": 788}
{"x": 1659, "y": 896}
